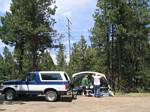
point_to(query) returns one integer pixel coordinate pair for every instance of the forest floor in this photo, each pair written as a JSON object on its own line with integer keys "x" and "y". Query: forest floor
{"x": 119, "y": 103}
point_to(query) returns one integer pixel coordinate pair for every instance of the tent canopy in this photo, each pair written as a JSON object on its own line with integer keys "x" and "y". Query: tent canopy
{"x": 77, "y": 76}
{"x": 80, "y": 74}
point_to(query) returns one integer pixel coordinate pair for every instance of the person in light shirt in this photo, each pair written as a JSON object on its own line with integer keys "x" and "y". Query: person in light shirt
{"x": 97, "y": 84}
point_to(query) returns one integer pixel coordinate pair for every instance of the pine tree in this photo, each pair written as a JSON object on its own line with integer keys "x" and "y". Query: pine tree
{"x": 8, "y": 65}
{"x": 83, "y": 57}
{"x": 61, "y": 59}
{"x": 28, "y": 27}
{"x": 121, "y": 38}
{"x": 46, "y": 62}
{"x": 1, "y": 68}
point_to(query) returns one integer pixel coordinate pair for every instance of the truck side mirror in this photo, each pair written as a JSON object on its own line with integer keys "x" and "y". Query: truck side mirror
{"x": 25, "y": 80}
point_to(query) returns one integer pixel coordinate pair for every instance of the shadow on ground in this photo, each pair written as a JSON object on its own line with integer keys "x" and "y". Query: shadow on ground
{"x": 24, "y": 100}
{"x": 2, "y": 110}
{"x": 2, "y": 101}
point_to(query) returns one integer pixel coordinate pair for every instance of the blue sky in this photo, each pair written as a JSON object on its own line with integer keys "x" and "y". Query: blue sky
{"x": 78, "y": 11}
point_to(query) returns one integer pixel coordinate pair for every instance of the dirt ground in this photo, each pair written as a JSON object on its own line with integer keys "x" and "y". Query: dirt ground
{"x": 81, "y": 104}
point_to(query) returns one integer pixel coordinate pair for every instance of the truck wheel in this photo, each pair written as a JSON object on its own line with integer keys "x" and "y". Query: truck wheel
{"x": 51, "y": 96}
{"x": 9, "y": 95}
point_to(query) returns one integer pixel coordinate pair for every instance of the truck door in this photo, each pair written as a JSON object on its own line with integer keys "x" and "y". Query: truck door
{"x": 27, "y": 82}
{"x": 31, "y": 83}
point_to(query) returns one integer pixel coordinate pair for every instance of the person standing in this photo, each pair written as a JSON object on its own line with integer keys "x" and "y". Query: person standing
{"x": 84, "y": 84}
{"x": 97, "y": 83}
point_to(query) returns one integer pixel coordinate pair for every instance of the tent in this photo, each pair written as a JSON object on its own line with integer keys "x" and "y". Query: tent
{"x": 105, "y": 87}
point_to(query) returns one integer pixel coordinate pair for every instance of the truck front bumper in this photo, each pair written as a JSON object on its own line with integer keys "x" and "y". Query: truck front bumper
{"x": 1, "y": 89}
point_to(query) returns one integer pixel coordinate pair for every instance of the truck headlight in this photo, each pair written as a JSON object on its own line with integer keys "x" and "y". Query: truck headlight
{"x": 1, "y": 86}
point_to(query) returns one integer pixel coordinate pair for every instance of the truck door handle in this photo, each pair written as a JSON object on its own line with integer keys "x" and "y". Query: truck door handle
{"x": 16, "y": 86}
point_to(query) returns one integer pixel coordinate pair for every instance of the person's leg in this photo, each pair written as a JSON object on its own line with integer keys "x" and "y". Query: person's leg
{"x": 83, "y": 90}
{"x": 95, "y": 90}
{"x": 98, "y": 91}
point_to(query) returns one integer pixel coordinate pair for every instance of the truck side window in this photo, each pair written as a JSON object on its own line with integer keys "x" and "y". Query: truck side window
{"x": 51, "y": 76}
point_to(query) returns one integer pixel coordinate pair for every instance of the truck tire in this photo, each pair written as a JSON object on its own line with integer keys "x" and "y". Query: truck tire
{"x": 51, "y": 96}
{"x": 9, "y": 95}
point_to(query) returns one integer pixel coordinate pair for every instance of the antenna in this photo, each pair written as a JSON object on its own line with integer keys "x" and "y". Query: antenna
{"x": 69, "y": 35}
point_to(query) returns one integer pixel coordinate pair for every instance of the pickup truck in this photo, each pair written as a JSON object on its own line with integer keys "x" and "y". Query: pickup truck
{"x": 52, "y": 84}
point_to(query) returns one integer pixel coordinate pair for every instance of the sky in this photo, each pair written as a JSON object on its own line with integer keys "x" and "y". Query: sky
{"x": 78, "y": 11}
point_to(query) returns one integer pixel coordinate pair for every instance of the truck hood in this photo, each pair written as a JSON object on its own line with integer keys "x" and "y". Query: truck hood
{"x": 12, "y": 82}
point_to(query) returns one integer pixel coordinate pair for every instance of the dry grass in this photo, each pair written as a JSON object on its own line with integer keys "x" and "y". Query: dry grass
{"x": 133, "y": 94}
